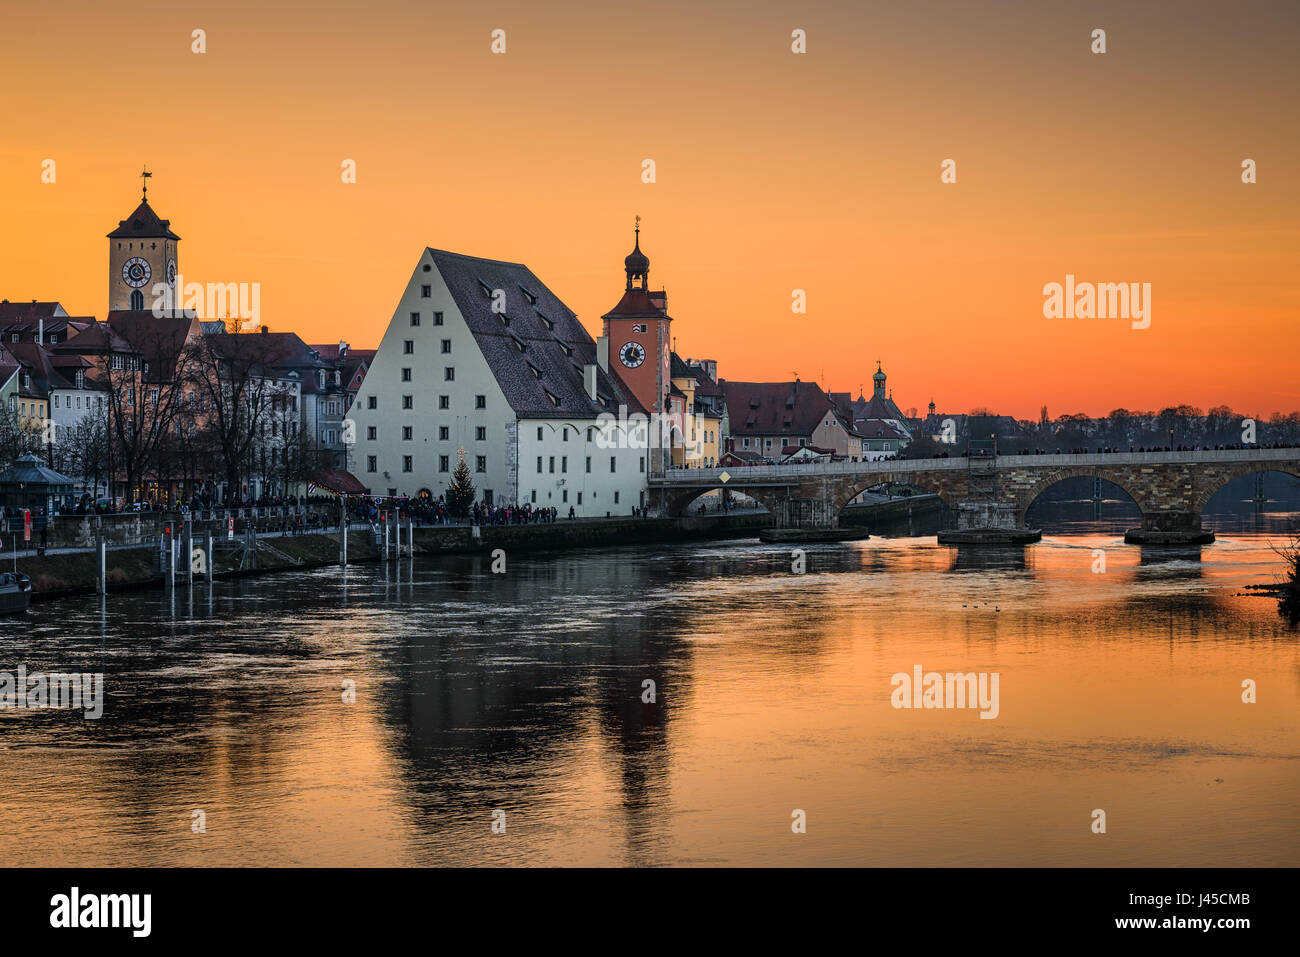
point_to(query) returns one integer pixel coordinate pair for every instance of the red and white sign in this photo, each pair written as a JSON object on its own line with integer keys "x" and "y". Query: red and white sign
{"x": 230, "y": 527}
{"x": 27, "y": 525}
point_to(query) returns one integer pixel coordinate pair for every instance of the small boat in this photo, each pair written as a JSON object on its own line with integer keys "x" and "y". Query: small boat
{"x": 15, "y": 593}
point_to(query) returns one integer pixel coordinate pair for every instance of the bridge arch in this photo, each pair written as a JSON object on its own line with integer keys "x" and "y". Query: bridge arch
{"x": 678, "y": 503}
{"x": 1043, "y": 482}
{"x": 935, "y": 483}
{"x": 1208, "y": 489}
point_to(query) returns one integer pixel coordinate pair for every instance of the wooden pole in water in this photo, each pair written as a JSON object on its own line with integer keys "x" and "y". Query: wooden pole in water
{"x": 343, "y": 532}
{"x": 170, "y": 559}
{"x": 101, "y": 551}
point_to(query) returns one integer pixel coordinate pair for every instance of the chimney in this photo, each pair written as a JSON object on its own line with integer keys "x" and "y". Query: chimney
{"x": 602, "y": 353}
{"x": 265, "y": 330}
{"x": 589, "y": 377}
{"x": 40, "y": 332}
{"x": 343, "y": 349}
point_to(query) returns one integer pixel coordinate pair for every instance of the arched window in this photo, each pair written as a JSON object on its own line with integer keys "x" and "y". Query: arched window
{"x": 137, "y": 300}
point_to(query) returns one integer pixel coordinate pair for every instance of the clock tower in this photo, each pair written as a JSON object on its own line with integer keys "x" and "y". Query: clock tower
{"x": 637, "y": 330}
{"x": 141, "y": 254}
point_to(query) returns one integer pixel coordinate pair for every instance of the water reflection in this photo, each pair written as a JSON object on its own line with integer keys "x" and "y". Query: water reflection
{"x": 527, "y": 692}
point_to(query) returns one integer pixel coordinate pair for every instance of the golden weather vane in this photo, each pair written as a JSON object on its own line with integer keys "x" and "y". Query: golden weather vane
{"x": 144, "y": 183}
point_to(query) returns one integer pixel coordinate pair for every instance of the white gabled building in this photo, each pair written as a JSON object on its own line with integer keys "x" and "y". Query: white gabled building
{"x": 481, "y": 356}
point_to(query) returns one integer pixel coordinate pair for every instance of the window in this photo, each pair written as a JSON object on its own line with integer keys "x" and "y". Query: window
{"x": 588, "y": 463}
{"x": 446, "y": 346}
{"x": 444, "y": 402}
{"x": 442, "y": 433}
{"x": 406, "y": 463}
{"x": 534, "y": 496}
{"x": 539, "y": 433}
{"x": 406, "y": 375}
{"x": 565, "y": 496}
{"x": 480, "y": 463}
{"x": 372, "y": 402}
{"x": 406, "y": 433}
{"x": 539, "y": 465}
{"x": 442, "y": 463}
{"x": 449, "y": 374}
{"x": 552, "y": 463}
{"x": 426, "y": 292}
{"x": 372, "y": 463}
{"x": 613, "y": 464}
{"x": 616, "y": 497}
{"x": 415, "y": 318}
{"x": 564, "y": 463}
{"x": 371, "y": 433}
{"x": 408, "y": 402}
{"x": 437, "y": 318}
{"x": 579, "y": 498}
{"x": 480, "y": 402}
{"x": 480, "y": 434}
{"x": 408, "y": 347}
{"x": 642, "y": 464}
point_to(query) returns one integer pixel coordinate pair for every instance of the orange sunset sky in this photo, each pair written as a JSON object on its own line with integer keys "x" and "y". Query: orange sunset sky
{"x": 775, "y": 171}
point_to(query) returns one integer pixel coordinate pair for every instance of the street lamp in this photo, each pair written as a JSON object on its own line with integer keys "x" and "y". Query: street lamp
{"x": 1171, "y": 439}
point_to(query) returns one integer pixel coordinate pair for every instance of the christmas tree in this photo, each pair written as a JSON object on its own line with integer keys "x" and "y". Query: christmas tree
{"x": 460, "y": 493}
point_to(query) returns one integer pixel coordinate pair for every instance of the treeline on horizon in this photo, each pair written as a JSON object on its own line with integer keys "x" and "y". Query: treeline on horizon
{"x": 1124, "y": 428}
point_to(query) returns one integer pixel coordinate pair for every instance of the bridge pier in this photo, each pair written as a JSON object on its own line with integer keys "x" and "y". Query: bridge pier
{"x": 1170, "y": 527}
{"x": 989, "y": 523}
{"x": 803, "y": 512}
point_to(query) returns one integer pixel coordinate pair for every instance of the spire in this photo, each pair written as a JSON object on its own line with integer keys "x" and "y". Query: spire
{"x": 144, "y": 184}
{"x": 637, "y": 264}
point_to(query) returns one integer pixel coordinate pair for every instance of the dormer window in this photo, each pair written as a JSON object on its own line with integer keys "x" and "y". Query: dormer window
{"x": 320, "y": 378}
{"x": 537, "y": 373}
{"x": 546, "y": 322}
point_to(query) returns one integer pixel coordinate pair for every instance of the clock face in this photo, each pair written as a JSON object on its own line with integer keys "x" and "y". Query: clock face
{"x": 171, "y": 272}
{"x": 632, "y": 354}
{"x": 136, "y": 272}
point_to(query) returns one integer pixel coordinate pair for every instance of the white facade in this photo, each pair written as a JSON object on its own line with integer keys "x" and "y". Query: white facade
{"x": 430, "y": 392}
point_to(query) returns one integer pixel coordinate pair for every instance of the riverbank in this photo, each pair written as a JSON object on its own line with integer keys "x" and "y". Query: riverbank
{"x": 68, "y": 574}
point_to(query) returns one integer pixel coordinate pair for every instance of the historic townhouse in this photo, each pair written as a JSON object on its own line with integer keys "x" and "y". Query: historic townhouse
{"x": 769, "y": 418}
{"x": 481, "y": 359}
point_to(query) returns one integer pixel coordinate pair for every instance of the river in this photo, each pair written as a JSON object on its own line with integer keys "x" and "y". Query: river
{"x": 516, "y": 699}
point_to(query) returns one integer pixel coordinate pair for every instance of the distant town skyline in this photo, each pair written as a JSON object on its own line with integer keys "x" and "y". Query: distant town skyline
{"x": 775, "y": 172}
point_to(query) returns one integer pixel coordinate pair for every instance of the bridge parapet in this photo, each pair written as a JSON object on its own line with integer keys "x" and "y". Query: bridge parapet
{"x": 1169, "y": 488}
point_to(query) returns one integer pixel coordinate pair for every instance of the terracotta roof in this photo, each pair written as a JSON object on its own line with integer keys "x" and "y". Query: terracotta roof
{"x": 31, "y": 310}
{"x": 637, "y": 303}
{"x": 776, "y": 408}
{"x": 338, "y": 480}
{"x": 143, "y": 224}
{"x": 159, "y": 340}
{"x": 555, "y": 345}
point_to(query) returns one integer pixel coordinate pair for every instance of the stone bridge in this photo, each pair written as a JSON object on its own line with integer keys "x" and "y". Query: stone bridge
{"x": 989, "y": 495}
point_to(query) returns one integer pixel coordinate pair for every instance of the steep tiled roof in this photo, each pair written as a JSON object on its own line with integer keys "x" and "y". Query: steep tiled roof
{"x": 637, "y": 303}
{"x": 31, "y": 310}
{"x": 546, "y": 377}
{"x": 776, "y": 408}
{"x": 143, "y": 224}
{"x": 160, "y": 340}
